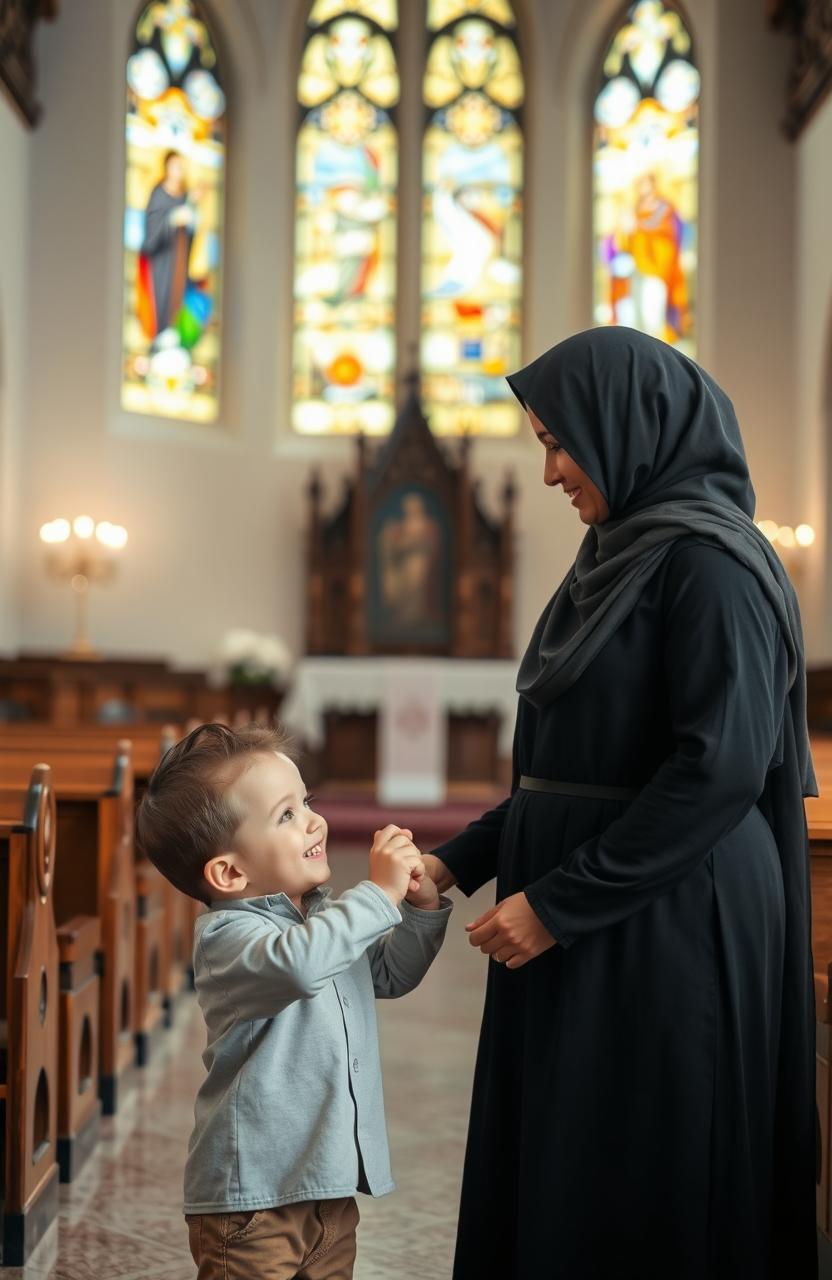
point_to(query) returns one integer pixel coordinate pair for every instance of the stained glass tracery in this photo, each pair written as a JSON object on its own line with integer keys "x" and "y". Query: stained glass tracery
{"x": 175, "y": 136}
{"x": 646, "y": 158}
{"x": 345, "y": 236}
{"x": 472, "y": 162}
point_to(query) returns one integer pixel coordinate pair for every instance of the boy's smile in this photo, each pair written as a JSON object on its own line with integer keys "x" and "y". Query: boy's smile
{"x": 280, "y": 844}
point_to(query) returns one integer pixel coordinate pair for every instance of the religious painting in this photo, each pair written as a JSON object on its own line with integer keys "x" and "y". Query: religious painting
{"x": 472, "y": 197}
{"x": 646, "y": 167}
{"x": 175, "y": 181}
{"x": 345, "y": 225}
{"x": 410, "y": 570}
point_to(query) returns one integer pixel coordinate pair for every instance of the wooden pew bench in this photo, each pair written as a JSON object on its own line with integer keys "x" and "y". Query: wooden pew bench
{"x": 29, "y": 1013}
{"x": 79, "y": 1103}
{"x": 96, "y": 877}
{"x": 79, "y": 1106}
{"x": 819, "y": 821}
{"x": 148, "y": 743}
{"x": 151, "y": 949}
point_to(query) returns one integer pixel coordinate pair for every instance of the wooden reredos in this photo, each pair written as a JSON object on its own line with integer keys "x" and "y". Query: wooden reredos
{"x": 409, "y": 562}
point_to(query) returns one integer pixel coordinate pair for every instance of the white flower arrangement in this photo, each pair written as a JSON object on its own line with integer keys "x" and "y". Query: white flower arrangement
{"x": 245, "y": 657}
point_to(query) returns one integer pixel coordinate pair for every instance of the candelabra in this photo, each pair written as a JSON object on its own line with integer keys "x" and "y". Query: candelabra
{"x": 82, "y": 553}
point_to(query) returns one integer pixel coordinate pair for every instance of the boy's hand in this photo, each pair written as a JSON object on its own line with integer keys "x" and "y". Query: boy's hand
{"x": 395, "y": 863}
{"x": 426, "y": 896}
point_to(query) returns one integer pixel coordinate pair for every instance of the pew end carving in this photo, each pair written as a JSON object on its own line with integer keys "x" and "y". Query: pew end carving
{"x": 29, "y": 992}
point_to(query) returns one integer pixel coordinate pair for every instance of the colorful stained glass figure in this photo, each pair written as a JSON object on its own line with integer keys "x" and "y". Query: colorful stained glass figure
{"x": 175, "y": 182}
{"x": 345, "y": 236}
{"x": 472, "y": 181}
{"x": 646, "y": 166}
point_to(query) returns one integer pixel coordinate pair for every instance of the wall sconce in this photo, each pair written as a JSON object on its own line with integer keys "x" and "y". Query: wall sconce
{"x": 790, "y": 544}
{"x": 82, "y": 553}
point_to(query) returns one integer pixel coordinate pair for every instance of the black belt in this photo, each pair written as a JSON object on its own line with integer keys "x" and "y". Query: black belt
{"x": 585, "y": 790}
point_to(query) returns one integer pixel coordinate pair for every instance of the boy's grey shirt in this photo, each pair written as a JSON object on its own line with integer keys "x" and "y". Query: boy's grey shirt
{"x": 292, "y": 1106}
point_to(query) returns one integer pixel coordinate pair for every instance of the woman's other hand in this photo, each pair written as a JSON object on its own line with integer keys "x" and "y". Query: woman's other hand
{"x": 438, "y": 872}
{"x": 511, "y": 932}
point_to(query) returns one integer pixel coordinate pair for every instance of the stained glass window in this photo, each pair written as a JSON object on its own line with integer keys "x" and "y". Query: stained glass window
{"x": 472, "y": 175}
{"x": 175, "y": 179}
{"x": 646, "y": 164}
{"x": 345, "y": 236}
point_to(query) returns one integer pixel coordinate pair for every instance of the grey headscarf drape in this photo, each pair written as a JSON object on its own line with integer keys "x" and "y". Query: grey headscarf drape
{"x": 661, "y": 441}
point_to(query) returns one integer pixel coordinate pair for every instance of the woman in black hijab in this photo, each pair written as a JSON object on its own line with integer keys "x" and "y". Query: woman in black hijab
{"x": 643, "y": 1105}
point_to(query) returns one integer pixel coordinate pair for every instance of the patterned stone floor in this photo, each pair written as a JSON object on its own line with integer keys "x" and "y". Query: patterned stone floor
{"x": 121, "y": 1219}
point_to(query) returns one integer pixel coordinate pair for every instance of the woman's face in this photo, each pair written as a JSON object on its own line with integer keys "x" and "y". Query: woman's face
{"x": 559, "y": 469}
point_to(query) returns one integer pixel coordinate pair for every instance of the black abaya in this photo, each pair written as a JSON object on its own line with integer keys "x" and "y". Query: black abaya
{"x": 643, "y": 1099}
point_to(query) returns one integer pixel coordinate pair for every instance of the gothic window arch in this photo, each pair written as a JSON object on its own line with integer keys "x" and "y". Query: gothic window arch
{"x": 646, "y": 176}
{"x": 175, "y": 144}
{"x": 350, "y": 152}
{"x": 472, "y": 246}
{"x": 344, "y": 357}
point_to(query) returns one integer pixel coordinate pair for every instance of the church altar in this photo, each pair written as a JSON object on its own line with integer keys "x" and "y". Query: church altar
{"x": 413, "y": 699}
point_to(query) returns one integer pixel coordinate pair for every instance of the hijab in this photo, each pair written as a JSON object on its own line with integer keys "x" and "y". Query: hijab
{"x": 660, "y": 440}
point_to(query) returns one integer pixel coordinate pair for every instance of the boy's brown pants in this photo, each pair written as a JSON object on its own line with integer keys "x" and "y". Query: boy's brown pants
{"x": 313, "y": 1240}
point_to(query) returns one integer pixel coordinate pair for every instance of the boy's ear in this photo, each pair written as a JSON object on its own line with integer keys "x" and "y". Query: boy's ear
{"x": 224, "y": 874}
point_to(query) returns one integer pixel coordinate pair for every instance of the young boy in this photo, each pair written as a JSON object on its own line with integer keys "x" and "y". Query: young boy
{"x": 290, "y": 1118}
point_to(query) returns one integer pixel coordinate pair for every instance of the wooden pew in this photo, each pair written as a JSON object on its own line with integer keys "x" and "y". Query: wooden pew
{"x": 48, "y": 687}
{"x": 819, "y": 821}
{"x": 79, "y": 1104}
{"x": 29, "y": 994}
{"x": 150, "y": 925}
{"x": 149, "y": 743}
{"x": 151, "y": 932}
{"x": 178, "y": 944}
{"x": 820, "y": 838}
{"x": 96, "y": 877}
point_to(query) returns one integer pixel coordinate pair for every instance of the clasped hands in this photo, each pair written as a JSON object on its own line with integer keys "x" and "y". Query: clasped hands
{"x": 398, "y": 869}
{"x": 511, "y": 932}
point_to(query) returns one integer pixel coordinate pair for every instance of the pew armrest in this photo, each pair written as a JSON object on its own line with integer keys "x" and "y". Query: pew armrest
{"x": 78, "y": 938}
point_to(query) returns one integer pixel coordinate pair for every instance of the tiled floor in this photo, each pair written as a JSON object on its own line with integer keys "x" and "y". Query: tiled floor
{"x": 121, "y": 1217}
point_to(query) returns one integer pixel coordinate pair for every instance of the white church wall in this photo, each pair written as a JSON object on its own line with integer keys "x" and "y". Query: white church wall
{"x": 216, "y": 515}
{"x": 14, "y": 140}
{"x": 807, "y": 443}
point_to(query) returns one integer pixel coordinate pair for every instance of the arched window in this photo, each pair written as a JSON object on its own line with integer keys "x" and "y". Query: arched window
{"x": 646, "y": 165}
{"x": 175, "y": 185}
{"x": 344, "y": 359}
{"x": 472, "y": 176}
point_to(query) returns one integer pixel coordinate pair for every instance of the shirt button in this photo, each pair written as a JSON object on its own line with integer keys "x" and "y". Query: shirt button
{"x": 346, "y": 1002}
{"x": 355, "y": 1064}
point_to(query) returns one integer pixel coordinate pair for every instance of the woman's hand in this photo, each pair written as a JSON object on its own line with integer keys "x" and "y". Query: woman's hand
{"x": 438, "y": 872}
{"x": 511, "y": 932}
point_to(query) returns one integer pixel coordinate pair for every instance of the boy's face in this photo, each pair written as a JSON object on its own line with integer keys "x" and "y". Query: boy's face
{"x": 280, "y": 845}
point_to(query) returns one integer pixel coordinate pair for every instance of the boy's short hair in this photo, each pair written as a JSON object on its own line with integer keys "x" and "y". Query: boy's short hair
{"x": 185, "y": 817}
